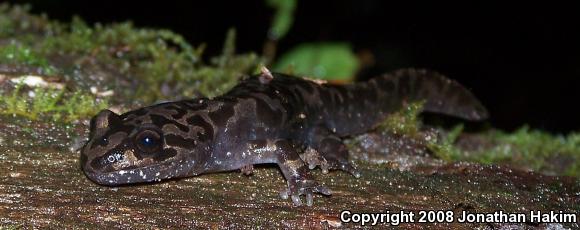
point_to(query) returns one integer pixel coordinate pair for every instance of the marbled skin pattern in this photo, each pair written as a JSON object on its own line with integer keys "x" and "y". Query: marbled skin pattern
{"x": 295, "y": 123}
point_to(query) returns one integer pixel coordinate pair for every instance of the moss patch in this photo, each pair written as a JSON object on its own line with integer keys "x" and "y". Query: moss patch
{"x": 404, "y": 122}
{"x": 18, "y": 54}
{"x": 55, "y": 104}
{"x": 534, "y": 149}
{"x": 524, "y": 148}
{"x": 139, "y": 65}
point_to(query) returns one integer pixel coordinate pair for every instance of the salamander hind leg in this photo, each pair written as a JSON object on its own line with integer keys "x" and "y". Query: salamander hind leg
{"x": 329, "y": 152}
{"x": 336, "y": 155}
{"x": 296, "y": 173}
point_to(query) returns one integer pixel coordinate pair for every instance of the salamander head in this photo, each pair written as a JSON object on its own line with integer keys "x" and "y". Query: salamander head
{"x": 142, "y": 146}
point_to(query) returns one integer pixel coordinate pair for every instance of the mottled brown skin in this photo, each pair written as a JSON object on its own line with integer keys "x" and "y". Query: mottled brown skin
{"x": 264, "y": 119}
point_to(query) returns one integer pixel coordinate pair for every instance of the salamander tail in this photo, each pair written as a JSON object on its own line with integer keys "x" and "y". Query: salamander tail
{"x": 440, "y": 94}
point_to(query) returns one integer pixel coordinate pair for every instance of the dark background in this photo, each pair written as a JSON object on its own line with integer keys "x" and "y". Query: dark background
{"x": 522, "y": 61}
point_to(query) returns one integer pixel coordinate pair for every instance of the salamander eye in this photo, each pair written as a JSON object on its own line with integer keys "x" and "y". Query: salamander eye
{"x": 148, "y": 141}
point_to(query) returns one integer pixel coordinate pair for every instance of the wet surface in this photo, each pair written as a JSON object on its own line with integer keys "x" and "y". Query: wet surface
{"x": 400, "y": 152}
{"x": 46, "y": 188}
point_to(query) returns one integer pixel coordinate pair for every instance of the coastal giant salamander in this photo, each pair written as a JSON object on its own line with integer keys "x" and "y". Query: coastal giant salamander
{"x": 295, "y": 123}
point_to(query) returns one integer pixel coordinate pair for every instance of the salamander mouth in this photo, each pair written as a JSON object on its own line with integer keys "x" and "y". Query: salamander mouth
{"x": 147, "y": 174}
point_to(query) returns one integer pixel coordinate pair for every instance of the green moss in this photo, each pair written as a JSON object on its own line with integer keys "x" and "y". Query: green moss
{"x": 11, "y": 227}
{"x": 224, "y": 70}
{"x": 153, "y": 59}
{"x": 57, "y": 105}
{"x": 404, "y": 122}
{"x": 18, "y": 54}
{"x": 444, "y": 149}
{"x": 157, "y": 58}
{"x": 81, "y": 105}
{"x": 533, "y": 149}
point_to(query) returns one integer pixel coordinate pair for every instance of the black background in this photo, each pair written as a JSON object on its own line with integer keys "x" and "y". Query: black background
{"x": 523, "y": 61}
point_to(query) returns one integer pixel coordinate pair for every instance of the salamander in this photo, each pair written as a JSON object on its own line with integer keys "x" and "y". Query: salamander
{"x": 270, "y": 118}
